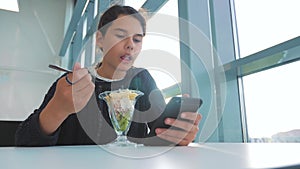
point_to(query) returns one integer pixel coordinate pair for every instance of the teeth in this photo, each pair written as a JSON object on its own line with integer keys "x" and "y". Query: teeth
{"x": 126, "y": 57}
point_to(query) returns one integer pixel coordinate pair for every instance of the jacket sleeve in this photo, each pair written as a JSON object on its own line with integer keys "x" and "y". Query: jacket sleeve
{"x": 150, "y": 107}
{"x": 29, "y": 132}
{"x": 154, "y": 105}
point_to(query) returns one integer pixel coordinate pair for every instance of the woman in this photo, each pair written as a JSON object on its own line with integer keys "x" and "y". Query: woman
{"x": 72, "y": 114}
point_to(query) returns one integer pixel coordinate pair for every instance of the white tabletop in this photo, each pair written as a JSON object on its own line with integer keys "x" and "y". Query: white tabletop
{"x": 196, "y": 156}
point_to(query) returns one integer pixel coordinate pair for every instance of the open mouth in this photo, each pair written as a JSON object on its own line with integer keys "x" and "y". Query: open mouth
{"x": 126, "y": 58}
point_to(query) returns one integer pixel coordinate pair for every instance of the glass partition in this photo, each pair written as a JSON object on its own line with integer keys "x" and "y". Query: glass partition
{"x": 30, "y": 40}
{"x": 272, "y": 104}
{"x": 262, "y": 24}
{"x": 269, "y": 45}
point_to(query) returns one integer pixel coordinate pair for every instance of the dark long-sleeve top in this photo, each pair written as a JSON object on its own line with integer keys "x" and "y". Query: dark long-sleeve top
{"x": 92, "y": 124}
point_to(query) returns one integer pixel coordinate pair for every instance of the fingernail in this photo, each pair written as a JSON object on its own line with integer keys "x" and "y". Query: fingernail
{"x": 157, "y": 131}
{"x": 183, "y": 115}
{"x": 167, "y": 121}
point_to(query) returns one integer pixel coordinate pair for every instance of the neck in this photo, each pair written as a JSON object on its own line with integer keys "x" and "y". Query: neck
{"x": 110, "y": 73}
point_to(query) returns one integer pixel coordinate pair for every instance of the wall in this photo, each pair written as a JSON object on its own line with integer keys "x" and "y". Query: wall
{"x": 30, "y": 40}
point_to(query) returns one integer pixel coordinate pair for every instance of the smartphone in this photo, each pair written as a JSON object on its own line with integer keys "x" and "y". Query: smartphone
{"x": 175, "y": 107}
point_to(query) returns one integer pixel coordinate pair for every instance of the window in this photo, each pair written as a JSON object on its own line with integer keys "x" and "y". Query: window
{"x": 155, "y": 49}
{"x": 10, "y": 5}
{"x": 271, "y": 95}
{"x": 30, "y": 40}
{"x": 265, "y": 23}
{"x": 272, "y": 106}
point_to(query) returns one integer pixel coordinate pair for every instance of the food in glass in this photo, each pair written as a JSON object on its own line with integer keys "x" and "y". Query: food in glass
{"x": 121, "y": 107}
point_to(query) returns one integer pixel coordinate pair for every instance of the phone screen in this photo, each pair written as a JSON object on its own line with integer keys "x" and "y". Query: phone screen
{"x": 176, "y": 106}
{"x": 173, "y": 109}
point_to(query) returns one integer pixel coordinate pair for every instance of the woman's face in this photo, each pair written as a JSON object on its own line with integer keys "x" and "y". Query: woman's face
{"x": 122, "y": 43}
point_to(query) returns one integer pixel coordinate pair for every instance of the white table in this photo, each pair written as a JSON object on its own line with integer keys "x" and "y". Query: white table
{"x": 196, "y": 156}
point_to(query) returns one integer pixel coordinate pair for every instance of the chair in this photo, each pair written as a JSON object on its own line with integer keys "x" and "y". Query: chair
{"x": 7, "y": 132}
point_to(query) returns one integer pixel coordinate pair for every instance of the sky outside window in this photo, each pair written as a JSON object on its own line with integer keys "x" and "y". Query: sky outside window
{"x": 10, "y": 5}
{"x": 265, "y": 23}
{"x": 271, "y": 96}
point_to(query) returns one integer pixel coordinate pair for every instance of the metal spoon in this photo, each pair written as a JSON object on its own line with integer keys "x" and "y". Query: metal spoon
{"x": 59, "y": 68}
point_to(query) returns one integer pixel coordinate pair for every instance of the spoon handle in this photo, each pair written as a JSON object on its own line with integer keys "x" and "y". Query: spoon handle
{"x": 59, "y": 68}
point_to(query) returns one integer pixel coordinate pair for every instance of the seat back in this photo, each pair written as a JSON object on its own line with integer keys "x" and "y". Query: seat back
{"x": 7, "y": 132}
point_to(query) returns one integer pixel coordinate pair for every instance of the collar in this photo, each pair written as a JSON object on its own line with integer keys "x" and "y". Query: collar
{"x": 93, "y": 71}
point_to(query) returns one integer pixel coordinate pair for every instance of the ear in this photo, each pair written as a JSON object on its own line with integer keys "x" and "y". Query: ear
{"x": 99, "y": 39}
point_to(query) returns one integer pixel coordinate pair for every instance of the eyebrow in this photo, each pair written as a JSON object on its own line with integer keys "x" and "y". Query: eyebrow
{"x": 125, "y": 31}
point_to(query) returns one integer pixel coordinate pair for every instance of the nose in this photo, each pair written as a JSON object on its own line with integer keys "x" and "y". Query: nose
{"x": 129, "y": 44}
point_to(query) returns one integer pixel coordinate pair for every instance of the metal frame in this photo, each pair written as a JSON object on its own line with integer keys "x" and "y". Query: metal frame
{"x": 216, "y": 19}
{"x": 84, "y": 12}
{"x": 274, "y": 56}
{"x": 153, "y": 6}
{"x": 76, "y": 17}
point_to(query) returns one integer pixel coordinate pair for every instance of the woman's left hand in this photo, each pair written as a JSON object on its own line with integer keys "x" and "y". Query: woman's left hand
{"x": 189, "y": 129}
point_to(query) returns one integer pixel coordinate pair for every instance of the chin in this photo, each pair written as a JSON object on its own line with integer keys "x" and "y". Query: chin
{"x": 124, "y": 67}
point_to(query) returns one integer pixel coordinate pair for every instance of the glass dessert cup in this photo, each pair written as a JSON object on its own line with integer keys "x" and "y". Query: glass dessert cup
{"x": 121, "y": 107}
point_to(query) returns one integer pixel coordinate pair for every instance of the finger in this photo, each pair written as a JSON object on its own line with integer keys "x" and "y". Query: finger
{"x": 77, "y": 75}
{"x": 192, "y": 116}
{"x": 198, "y": 119}
{"x": 82, "y": 83}
{"x": 63, "y": 82}
{"x": 83, "y": 87}
{"x": 81, "y": 98}
{"x": 170, "y": 135}
{"x": 187, "y": 127}
{"x": 185, "y": 95}
{"x": 84, "y": 96}
{"x": 177, "y": 136}
{"x": 77, "y": 66}
{"x": 184, "y": 125}
{"x": 183, "y": 143}
{"x": 174, "y": 140}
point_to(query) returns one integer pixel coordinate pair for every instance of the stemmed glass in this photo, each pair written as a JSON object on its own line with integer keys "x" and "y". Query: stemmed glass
{"x": 121, "y": 107}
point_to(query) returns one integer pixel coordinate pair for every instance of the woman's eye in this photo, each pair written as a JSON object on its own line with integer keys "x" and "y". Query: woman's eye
{"x": 120, "y": 36}
{"x": 137, "y": 40}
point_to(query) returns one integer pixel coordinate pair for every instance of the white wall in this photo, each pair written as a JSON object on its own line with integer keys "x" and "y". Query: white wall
{"x": 30, "y": 40}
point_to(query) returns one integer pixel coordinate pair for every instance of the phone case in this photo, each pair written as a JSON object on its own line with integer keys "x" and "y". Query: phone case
{"x": 173, "y": 109}
{"x": 176, "y": 106}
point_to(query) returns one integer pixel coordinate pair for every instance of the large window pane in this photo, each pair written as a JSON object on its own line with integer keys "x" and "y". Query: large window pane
{"x": 30, "y": 40}
{"x": 135, "y": 3}
{"x": 272, "y": 104}
{"x": 155, "y": 48}
{"x": 270, "y": 96}
{"x": 265, "y": 23}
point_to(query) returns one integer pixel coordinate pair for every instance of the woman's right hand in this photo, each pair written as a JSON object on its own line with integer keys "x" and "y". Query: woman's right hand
{"x": 72, "y": 98}
{"x": 67, "y": 99}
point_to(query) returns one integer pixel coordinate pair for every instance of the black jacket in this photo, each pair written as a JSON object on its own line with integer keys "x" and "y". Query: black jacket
{"x": 92, "y": 124}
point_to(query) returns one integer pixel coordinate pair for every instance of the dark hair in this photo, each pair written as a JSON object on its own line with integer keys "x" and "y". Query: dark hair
{"x": 112, "y": 14}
